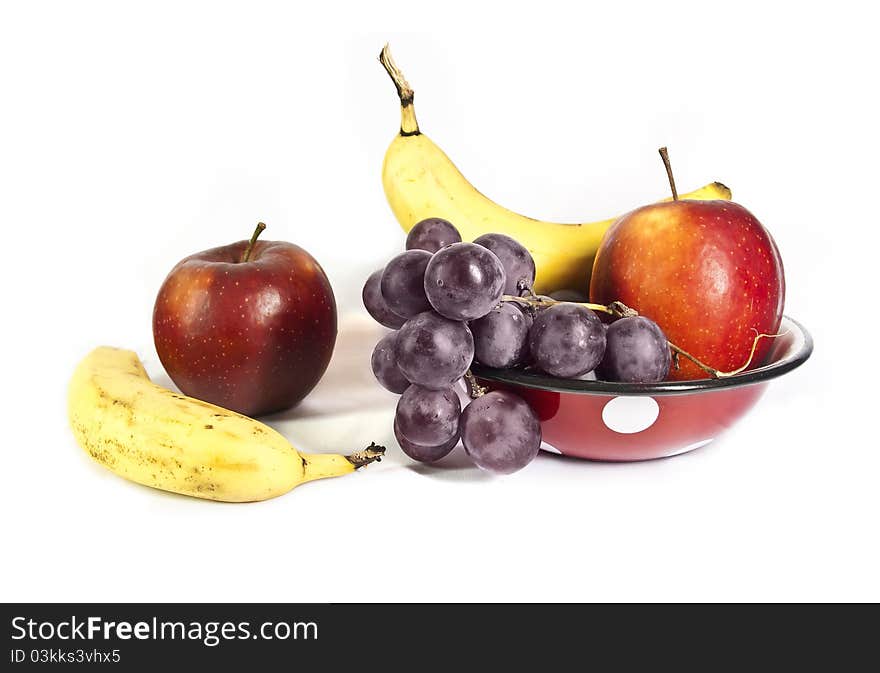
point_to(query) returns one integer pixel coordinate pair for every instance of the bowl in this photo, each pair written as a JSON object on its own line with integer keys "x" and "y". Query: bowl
{"x": 609, "y": 421}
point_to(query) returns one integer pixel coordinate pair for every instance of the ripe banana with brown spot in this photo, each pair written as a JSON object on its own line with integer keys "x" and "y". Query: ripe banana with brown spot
{"x": 154, "y": 436}
{"x": 420, "y": 181}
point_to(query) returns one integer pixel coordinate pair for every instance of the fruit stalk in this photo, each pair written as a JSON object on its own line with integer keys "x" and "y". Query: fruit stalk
{"x": 618, "y": 309}
{"x": 664, "y": 154}
{"x": 404, "y": 90}
{"x": 373, "y": 453}
{"x": 323, "y": 465}
{"x": 615, "y": 309}
{"x": 250, "y": 246}
{"x": 715, "y": 373}
{"x": 409, "y": 125}
{"x": 474, "y": 389}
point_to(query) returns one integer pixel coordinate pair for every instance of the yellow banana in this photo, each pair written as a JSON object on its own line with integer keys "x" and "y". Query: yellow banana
{"x": 420, "y": 181}
{"x": 154, "y": 436}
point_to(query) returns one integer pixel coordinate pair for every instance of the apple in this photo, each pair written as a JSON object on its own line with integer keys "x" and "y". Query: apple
{"x": 707, "y": 272}
{"x": 248, "y": 326}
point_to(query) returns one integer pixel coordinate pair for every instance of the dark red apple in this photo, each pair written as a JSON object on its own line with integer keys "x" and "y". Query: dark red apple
{"x": 707, "y": 272}
{"x": 249, "y": 326}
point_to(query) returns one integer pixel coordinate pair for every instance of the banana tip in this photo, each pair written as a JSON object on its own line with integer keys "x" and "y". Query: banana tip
{"x": 724, "y": 188}
{"x": 373, "y": 453}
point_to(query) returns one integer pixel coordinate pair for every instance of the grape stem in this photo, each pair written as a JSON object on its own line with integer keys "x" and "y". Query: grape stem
{"x": 618, "y": 309}
{"x": 716, "y": 374}
{"x": 474, "y": 388}
{"x": 522, "y": 285}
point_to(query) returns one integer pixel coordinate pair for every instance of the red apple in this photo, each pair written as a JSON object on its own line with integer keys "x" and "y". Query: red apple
{"x": 707, "y": 272}
{"x": 249, "y": 326}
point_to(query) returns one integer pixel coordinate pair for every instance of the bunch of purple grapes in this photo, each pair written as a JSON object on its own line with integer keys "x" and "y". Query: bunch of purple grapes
{"x": 444, "y": 298}
{"x": 440, "y": 296}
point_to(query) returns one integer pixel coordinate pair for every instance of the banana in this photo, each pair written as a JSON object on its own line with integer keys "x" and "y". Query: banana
{"x": 420, "y": 181}
{"x": 159, "y": 438}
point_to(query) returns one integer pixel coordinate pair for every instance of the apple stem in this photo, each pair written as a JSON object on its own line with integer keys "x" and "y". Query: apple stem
{"x": 250, "y": 246}
{"x": 474, "y": 389}
{"x": 664, "y": 154}
{"x": 373, "y": 453}
{"x": 618, "y": 309}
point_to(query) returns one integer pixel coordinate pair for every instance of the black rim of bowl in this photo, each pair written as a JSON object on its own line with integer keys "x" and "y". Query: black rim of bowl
{"x": 544, "y": 382}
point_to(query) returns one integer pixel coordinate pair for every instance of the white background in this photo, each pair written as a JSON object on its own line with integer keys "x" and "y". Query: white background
{"x": 132, "y": 134}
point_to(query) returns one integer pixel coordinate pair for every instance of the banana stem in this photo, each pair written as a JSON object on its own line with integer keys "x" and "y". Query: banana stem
{"x": 373, "y": 453}
{"x": 409, "y": 125}
{"x": 404, "y": 90}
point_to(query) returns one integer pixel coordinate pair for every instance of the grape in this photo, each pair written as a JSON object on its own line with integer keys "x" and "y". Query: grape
{"x": 424, "y": 454}
{"x": 431, "y": 235}
{"x": 500, "y": 432}
{"x": 501, "y": 336}
{"x": 428, "y": 417}
{"x": 567, "y": 340}
{"x": 464, "y": 281}
{"x": 636, "y": 352}
{"x": 516, "y": 260}
{"x": 375, "y": 304}
{"x": 403, "y": 283}
{"x": 569, "y": 295}
{"x": 384, "y": 364}
{"x": 433, "y": 351}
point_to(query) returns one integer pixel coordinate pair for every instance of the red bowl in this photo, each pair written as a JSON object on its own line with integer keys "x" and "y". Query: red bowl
{"x": 601, "y": 420}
